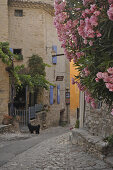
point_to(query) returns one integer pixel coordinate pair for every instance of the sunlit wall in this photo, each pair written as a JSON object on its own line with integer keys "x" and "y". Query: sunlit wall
{"x": 74, "y": 91}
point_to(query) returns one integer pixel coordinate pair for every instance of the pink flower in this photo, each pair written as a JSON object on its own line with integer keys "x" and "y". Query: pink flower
{"x": 107, "y": 79}
{"x": 104, "y": 75}
{"x": 83, "y": 14}
{"x": 110, "y": 12}
{"x": 96, "y": 13}
{"x": 112, "y": 111}
{"x": 93, "y": 104}
{"x": 99, "y": 75}
{"x": 86, "y": 71}
{"x": 88, "y": 98}
{"x": 98, "y": 34}
{"x": 93, "y": 7}
{"x": 91, "y": 43}
{"x": 87, "y": 1}
{"x": 110, "y": 1}
{"x": 75, "y": 22}
{"x": 87, "y": 11}
{"x": 85, "y": 41}
{"x": 72, "y": 81}
{"x": 97, "y": 79}
{"x": 109, "y": 86}
{"x": 111, "y": 89}
{"x": 79, "y": 54}
{"x": 93, "y": 20}
{"x": 110, "y": 70}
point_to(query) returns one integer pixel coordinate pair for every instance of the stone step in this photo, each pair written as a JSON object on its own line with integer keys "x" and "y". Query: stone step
{"x": 5, "y": 128}
{"x": 92, "y": 144}
{"x": 11, "y": 129}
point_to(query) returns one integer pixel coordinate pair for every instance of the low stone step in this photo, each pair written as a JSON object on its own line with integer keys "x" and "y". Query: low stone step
{"x": 90, "y": 143}
{"x": 5, "y": 128}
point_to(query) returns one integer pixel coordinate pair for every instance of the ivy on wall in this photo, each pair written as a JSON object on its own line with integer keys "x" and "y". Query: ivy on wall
{"x": 33, "y": 76}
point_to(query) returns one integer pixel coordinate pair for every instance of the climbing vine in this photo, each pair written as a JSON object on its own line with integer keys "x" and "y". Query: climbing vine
{"x": 33, "y": 75}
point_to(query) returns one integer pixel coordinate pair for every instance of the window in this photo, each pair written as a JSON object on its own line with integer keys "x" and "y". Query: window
{"x": 17, "y": 51}
{"x": 18, "y": 13}
{"x": 51, "y": 95}
{"x": 54, "y": 59}
{"x": 58, "y": 94}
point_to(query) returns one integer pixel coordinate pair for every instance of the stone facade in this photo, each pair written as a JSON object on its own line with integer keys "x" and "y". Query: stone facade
{"x": 4, "y": 77}
{"x": 3, "y": 20}
{"x": 34, "y": 33}
{"x": 98, "y": 121}
{"x": 95, "y": 125}
{"x": 4, "y": 90}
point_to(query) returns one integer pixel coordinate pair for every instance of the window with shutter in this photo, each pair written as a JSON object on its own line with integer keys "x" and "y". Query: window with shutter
{"x": 58, "y": 94}
{"x": 54, "y": 59}
{"x": 11, "y": 50}
{"x": 51, "y": 95}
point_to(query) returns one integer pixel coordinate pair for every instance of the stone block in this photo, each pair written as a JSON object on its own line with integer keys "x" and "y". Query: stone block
{"x": 91, "y": 144}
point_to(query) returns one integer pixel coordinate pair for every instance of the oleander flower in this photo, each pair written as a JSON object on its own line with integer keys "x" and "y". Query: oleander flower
{"x": 85, "y": 30}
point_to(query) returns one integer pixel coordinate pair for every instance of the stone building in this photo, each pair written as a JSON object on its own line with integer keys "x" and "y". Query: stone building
{"x": 28, "y": 27}
{"x": 99, "y": 121}
{"x": 95, "y": 126}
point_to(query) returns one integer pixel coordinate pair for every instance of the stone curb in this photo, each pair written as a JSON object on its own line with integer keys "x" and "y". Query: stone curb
{"x": 6, "y": 128}
{"x": 91, "y": 144}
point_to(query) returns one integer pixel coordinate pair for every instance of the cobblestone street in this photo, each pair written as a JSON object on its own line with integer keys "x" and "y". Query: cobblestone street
{"x": 56, "y": 153}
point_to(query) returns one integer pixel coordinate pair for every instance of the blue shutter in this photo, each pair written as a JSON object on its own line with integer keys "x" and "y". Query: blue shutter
{"x": 58, "y": 94}
{"x": 54, "y": 59}
{"x": 11, "y": 50}
{"x": 51, "y": 94}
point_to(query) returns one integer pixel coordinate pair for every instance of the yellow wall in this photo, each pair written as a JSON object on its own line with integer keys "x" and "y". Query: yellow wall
{"x": 74, "y": 91}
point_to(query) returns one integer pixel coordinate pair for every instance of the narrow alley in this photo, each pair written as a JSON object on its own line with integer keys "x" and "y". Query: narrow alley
{"x": 51, "y": 150}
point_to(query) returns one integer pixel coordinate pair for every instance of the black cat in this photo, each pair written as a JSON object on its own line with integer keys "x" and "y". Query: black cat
{"x": 33, "y": 128}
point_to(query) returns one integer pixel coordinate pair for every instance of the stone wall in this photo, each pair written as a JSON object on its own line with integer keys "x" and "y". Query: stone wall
{"x": 3, "y": 20}
{"x": 48, "y": 118}
{"x": 98, "y": 121}
{"x": 4, "y": 78}
{"x": 4, "y": 90}
{"x": 26, "y": 32}
{"x": 41, "y": 118}
{"x": 35, "y": 33}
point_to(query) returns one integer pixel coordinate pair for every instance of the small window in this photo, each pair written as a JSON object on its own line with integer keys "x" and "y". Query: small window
{"x": 58, "y": 94}
{"x": 17, "y": 51}
{"x": 51, "y": 95}
{"x": 18, "y": 13}
{"x": 54, "y": 59}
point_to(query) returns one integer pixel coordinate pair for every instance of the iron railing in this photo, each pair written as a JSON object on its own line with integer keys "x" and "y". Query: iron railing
{"x": 27, "y": 114}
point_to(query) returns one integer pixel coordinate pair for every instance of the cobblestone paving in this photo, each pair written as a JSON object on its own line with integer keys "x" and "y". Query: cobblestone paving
{"x": 9, "y": 138}
{"x": 55, "y": 154}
